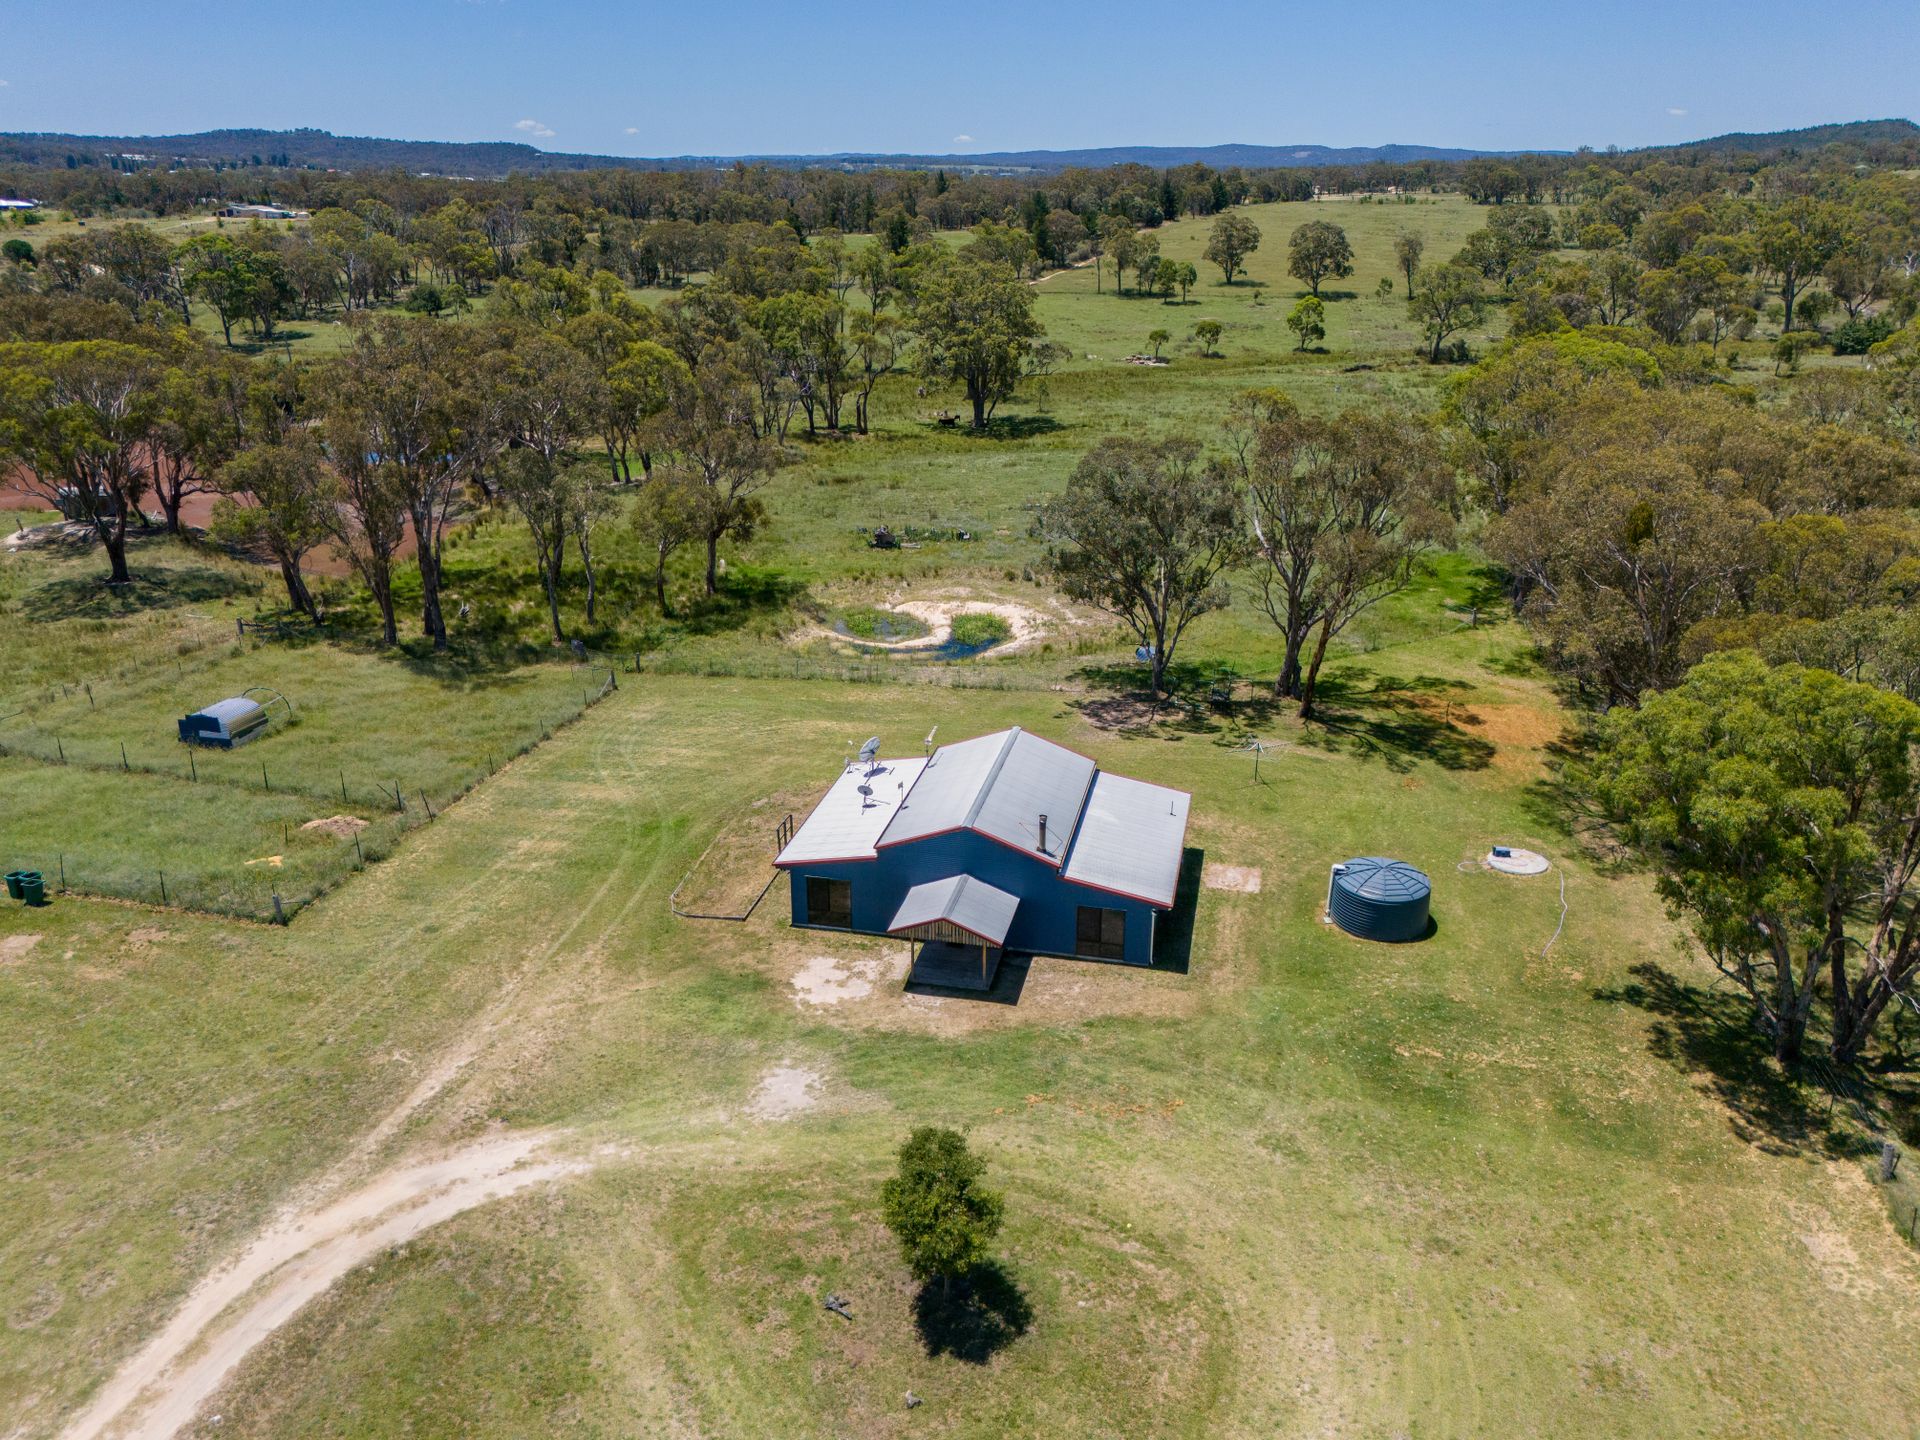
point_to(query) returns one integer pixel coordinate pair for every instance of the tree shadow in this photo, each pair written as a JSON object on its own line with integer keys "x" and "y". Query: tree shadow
{"x": 90, "y": 597}
{"x": 1710, "y": 1032}
{"x": 974, "y": 1317}
{"x": 1004, "y": 427}
{"x": 1397, "y": 720}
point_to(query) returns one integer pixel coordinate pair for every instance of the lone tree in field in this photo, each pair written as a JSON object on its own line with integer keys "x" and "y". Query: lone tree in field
{"x": 1318, "y": 252}
{"x": 1208, "y": 333}
{"x": 1143, "y": 532}
{"x": 1158, "y": 339}
{"x": 1308, "y": 320}
{"x": 1446, "y": 299}
{"x": 1781, "y": 806}
{"x": 936, "y": 1207}
{"x": 1233, "y": 238}
{"x": 1408, "y": 247}
{"x": 974, "y": 322}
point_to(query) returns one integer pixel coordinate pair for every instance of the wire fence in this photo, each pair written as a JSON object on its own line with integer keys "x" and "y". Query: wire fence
{"x": 299, "y": 861}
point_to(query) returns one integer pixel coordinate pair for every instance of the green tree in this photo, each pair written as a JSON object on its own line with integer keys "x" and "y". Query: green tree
{"x": 1795, "y": 242}
{"x": 937, "y": 1208}
{"x": 1446, "y": 299}
{"x": 1318, "y": 251}
{"x": 1408, "y": 247}
{"x": 666, "y": 516}
{"x": 1781, "y": 809}
{"x": 1208, "y": 333}
{"x": 1342, "y": 512}
{"x": 1144, "y": 532}
{"x": 709, "y": 427}
{"x": 1308, "y": 321}
{"x": 1232, "y": 238}
{"x": 975, "y": 325}
{"x": 1158, "y": 339}
{"x": 278, "y": 498}
{"x": 77, "y": 419}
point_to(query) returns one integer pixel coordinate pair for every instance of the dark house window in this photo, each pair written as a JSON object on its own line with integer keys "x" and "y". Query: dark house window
{"x": 1101, "y": 934}
{"x": 830, "y": 902}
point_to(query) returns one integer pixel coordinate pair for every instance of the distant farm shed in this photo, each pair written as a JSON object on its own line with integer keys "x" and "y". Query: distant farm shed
{"x": 1379, "y": 899}
{"x": 1006, "y": 842}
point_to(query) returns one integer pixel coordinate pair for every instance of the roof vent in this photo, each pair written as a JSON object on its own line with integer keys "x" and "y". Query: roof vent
{"x": 1043, "y": 834}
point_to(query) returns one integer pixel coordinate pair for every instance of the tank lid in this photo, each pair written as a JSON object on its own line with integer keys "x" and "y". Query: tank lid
{"x": 1375, "y": 877}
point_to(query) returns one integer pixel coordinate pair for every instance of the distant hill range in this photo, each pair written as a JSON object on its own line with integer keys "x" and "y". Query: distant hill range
{"x": 320, "y": 149}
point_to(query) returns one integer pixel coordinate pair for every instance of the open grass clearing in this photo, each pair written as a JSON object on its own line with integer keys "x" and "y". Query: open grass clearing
{"x": 1318, "y": 1184}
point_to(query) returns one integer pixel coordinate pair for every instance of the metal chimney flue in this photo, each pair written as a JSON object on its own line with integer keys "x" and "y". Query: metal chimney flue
{"x": 1043, "y": 834}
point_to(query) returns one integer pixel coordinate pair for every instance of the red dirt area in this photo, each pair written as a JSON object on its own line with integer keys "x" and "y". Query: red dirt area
{"x": 195, "y": 511}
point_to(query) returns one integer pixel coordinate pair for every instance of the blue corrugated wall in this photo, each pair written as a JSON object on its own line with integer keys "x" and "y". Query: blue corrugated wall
{"x": 1044, "y": 923}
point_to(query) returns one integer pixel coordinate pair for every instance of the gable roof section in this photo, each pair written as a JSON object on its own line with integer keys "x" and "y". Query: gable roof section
{"x": 960, "y": 900}
{"x": 998, "y": 785}
{"x": 1131, "y": 840}
{"x": 846, "y": 823}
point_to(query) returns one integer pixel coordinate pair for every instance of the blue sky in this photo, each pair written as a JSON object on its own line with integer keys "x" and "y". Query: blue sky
{"x": 763, "y": 77}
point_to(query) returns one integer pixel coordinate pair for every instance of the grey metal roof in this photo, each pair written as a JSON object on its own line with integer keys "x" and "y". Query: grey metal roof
{"x": 999, "y": 785}
{"x": 1131, "y": 839}
{"x": 846, "y": 823}
{"x": 972, "y": 904}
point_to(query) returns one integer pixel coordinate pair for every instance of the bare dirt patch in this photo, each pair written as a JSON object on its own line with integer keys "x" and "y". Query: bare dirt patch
{"x": 15, "y": 948}
{"x": 785, "y": 1091}
{"x": 1242, "y": 879}
{"x": 144, "y": 935}
{"x": 1030, "y": 624}
{"x": 859, "y": 984}
{"x": 1517, "y": 732}
{"x": 341, "y": 827}
{"x": 834, "y": 979}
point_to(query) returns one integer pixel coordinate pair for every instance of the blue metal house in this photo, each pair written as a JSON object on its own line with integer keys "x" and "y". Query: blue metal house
{"x": 1006, "y": 842}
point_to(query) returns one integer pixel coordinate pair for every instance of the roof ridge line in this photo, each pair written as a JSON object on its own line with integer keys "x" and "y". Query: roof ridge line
{"x": 986, "y": 785}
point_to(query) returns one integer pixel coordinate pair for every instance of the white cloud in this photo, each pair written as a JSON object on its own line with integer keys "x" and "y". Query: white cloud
{"x": 633, "y": 129}
{"x": 963, "y": 139}
{"x": 537, "y": 128}
{"x": 1675, "y": 110}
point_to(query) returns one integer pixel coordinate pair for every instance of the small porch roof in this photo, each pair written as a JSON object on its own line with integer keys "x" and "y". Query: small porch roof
{"x": 961, "y": 901}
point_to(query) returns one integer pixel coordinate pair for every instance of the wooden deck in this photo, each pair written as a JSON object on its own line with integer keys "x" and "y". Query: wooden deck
{"x": 947, "y": 966}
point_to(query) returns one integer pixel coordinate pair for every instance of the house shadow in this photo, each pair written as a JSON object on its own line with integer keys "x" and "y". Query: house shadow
{"x": 1173, "y": 934}
{"x": 1710, "y": 1033}
{"x": 1009, "y": 982}
{"x": 973, "y": 1317}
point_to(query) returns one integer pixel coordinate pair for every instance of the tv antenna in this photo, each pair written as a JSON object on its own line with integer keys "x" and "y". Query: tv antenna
{"x": 926, "y": 745}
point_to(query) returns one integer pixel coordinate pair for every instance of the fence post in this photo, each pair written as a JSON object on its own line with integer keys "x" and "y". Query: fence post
{"x": 61, "y": 748}
{"x": 263, "y": 777}
{"x": 90, "y": 704}
{"x": 343, "y": 787}
{"x": 163, "y": 887}
{"x": 428, "y": 803}
{"x": 240, "y": 629}
{"x": 193, "y": 767}
{"x": 399, "y": 800}
{"x": 359, "y": 855}
{"x": 63, "y": 874}
{"x": 279, "y": 915}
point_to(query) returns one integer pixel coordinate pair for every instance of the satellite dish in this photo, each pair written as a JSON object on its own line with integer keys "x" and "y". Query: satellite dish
{"x": 869, "y": 750}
